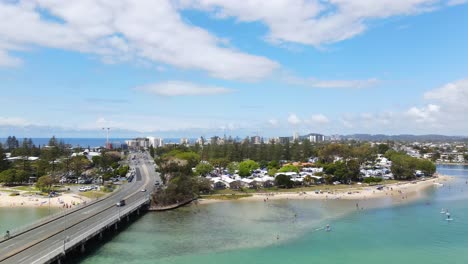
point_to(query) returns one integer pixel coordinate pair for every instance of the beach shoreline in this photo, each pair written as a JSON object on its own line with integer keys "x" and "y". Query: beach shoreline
{"x": 402, "y": 191}
{"x": 64, "y": 200}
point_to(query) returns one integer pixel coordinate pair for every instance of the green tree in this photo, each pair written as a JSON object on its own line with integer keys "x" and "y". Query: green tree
{"x": 289, "y": 168}
{"x": 403, "y": 167}
{"x": 284, "y": 181}
{"x": 273, "y": 164}
{"x": 8, "y": 177}
{"x": 122, "y": 171}
{"x": 204, "y": 185}
{"x": 45, "y": 183}
{"x": 219, "y": 162}
{"x": 13, "y": 176}
{"x": 4, "y": 163}
{"x": 426, "y": 166}
{"x": 246, "y": 167}
{"x": 78, "y": 164}
{"x": 232, "y": 167}
{"x": 151, "y": 151}
{"x": 203, "y": 168}
{"x": 272, "y": 171}
{"x": 308, "y": 180}
{"x": 382, "y": 148}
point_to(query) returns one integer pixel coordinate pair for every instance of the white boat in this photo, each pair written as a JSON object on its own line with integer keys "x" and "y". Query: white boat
{"x": 438, "y": 184}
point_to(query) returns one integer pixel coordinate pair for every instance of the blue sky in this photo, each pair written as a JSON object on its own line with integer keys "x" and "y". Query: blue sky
{"x": 205, "y": 67}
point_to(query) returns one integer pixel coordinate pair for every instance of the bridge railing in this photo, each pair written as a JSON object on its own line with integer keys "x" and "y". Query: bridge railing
{"x": 62, "y": 248}
{"x": 43, "y": 220}
{"x": 51, "y": 217}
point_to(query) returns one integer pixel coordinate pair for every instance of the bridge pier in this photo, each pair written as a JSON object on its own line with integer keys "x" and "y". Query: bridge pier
{"x": 128, "y": 218}
{"x": 100, "y": 236}
{"x": 116, "y": 227}
{"x": 83, "y": 249}
{"x": 138, "y": 211}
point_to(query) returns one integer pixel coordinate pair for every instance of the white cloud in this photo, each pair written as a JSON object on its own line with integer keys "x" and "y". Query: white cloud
{"x": 317, "y": 83}
{"x": 13, "y": 121}
{"x": 8, "y": 61}
{"x": 177, "y": 88}
{"x": 424, "y": 114}
{"x": 457, "y": 2}
{"x": 294, "y": 120}
{"x": 313, "y": 22}
{"x": 124, "y": 30}
{"x": 319, "y": 119}
{"x": 453, "y": 95}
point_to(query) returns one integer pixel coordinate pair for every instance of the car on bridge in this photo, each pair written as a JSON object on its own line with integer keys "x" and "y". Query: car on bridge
{"x": 120, "y": 203}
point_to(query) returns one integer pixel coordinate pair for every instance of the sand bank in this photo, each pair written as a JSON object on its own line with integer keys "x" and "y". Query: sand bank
{"x": 32, "y": 200}
{"x": 403, "y": 190}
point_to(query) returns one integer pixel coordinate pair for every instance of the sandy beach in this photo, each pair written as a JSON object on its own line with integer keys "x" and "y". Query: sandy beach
{"x": 404, "y": 191}
{"x": 31, "y": 200}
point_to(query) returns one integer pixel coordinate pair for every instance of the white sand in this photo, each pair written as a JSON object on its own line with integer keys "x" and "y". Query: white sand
{"x": 29, "y": 200}
{"x": 403, "y": 191}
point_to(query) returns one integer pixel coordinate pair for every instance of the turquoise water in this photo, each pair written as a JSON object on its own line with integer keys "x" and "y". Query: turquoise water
{"x": 291, "y": 231}
{"x": 12, "y": 218}
{"x": 247, "y": 232}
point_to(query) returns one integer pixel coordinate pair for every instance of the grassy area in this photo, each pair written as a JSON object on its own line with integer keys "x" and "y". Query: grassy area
{"x": 93, "y": 194}
{"x": 26, "y": 188}
{"x": 226, "y": 196}
{"x": 7, "y": 190}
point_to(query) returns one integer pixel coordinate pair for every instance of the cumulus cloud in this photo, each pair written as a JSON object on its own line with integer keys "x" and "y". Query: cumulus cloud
{"x": 123, "y": 30}
{"x": 453, "y": 95}
{"x": 314, "y": 22}
{"x": 178, "y": 88}
{"x": 294, "y": 120}
{"x": 424, "y": 114}
{"x": 444, "y": 111}
{"x": 319, "y": 119}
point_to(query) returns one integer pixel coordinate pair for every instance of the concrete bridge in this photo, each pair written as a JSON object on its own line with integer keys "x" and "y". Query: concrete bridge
{"x": 53, "y": 239}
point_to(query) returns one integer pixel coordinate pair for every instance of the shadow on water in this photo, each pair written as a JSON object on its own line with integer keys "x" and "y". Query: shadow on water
{"x": 93, "y": 245}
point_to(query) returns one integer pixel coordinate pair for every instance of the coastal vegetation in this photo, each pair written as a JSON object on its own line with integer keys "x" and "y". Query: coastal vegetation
{"x": 55, "y": 162}
{"x": 176, "y": 171}
{"x": 338, "y": 162}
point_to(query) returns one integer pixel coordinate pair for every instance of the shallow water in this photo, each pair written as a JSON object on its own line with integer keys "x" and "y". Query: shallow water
{"x": 12, "y": 218}
{"x": 290, "y": 232}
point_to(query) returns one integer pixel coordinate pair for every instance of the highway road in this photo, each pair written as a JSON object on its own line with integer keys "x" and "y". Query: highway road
{"x": 30, "y": 246}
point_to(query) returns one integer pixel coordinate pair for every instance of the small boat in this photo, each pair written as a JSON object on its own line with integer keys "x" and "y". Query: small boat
{"x": 328, "y": 229}
{"x": 442, "y": 211}
{"x": 438, "y": 184}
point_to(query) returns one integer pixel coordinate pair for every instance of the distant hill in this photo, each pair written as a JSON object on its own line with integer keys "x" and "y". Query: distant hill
{"x": 411, "y": 138}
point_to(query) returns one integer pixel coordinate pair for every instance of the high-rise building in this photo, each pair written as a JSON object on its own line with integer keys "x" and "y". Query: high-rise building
{"x": 256, "y": 140}
{"x": 155, "y": 142}
{"x": 184, "y": 141}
